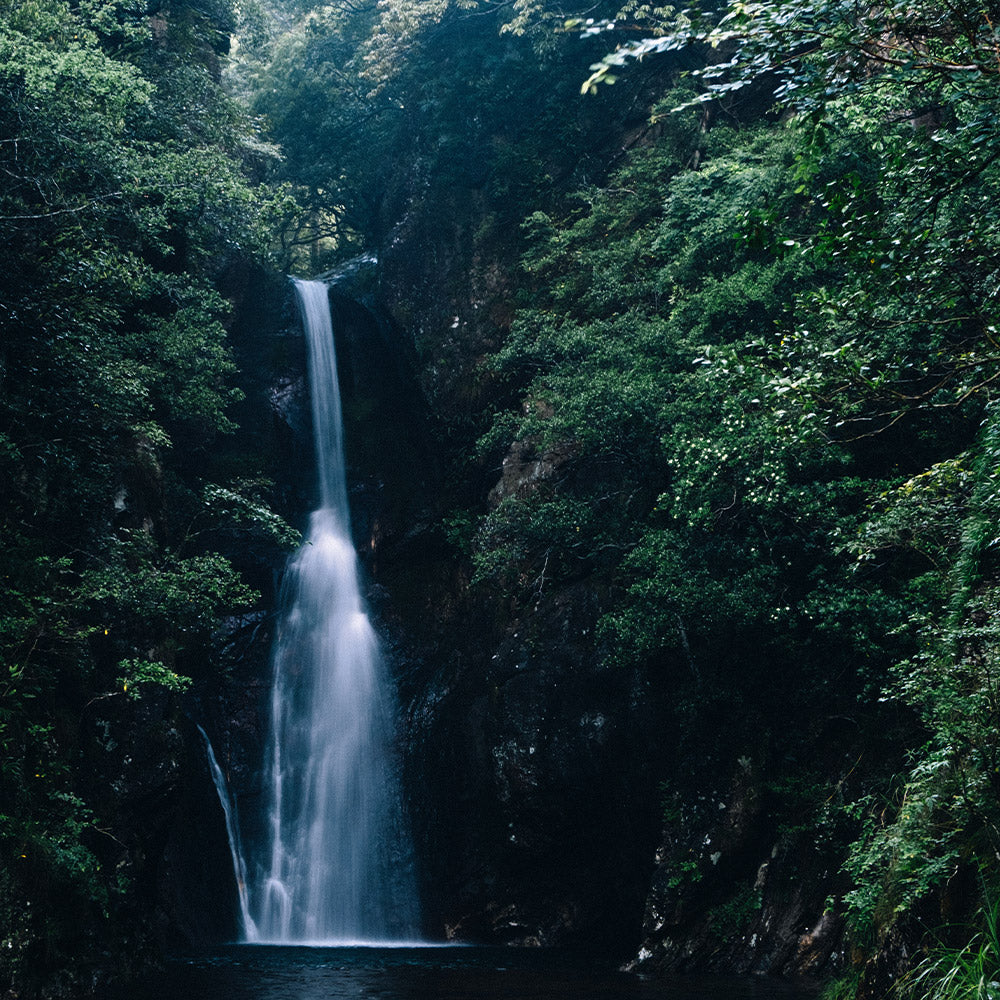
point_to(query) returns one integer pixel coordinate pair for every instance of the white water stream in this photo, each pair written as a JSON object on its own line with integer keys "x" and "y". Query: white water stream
{"x": 247, "y": 927}
{"x": 336, "y": 868}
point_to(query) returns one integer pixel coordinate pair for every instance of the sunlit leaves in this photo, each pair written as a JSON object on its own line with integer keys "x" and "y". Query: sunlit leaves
{"x": 239, "y": 509}
{"x": 399, "y": 26}
{"x": 818, "y": 49}
{"x": 140, "y": 674}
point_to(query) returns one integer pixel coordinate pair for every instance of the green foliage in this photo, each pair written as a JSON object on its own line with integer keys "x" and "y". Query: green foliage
{"x": 663, "y": 443}
{"x": 685, "y": 874}
{"x": 923, "y": 516}
{"x": 310, "y": 92}
{"x": 945, "y": 819}
{"x": 241, "y": 509}
{"x": 141, "y": 672}
{"x": 968, "y": 972}
{"x": 351, "y": 91}
{"x": 171, "y": 597}
{"x": 736, "y": 915}
{"x": 125, "y": 195}
{"x": 844, "y": 987}
{"x": 815, "y": 50}
{"x": 54, "y": 887}
{"x": 787, "y": 355}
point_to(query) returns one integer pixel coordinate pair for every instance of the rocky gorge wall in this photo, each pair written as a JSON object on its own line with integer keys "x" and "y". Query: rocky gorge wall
{"x": 524, "y": 755}
{"x": 554, "y": 824}
{"x": 534, "y": 767}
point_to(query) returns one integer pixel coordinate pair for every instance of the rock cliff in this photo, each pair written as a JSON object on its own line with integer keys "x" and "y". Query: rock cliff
{"x": 537, "y": 771}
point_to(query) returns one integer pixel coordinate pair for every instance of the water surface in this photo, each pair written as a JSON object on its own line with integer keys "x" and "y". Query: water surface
{"x": 261, "y": 972}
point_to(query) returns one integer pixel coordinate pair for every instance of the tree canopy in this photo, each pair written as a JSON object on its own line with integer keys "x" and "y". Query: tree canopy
{"x": 125, "y": 194}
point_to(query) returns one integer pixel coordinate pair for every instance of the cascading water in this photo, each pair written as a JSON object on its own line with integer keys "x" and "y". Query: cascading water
{"x": 247, "y": 926}
{"x": 337, "y": 867}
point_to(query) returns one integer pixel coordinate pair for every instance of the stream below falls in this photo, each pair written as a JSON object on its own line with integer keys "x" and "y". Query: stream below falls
{"x": 264, "y": 972}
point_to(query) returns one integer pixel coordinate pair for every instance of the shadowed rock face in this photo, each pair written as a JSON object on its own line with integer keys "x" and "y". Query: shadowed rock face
{"x": 731, "y": 893}
{"x": 536, "y": 811}
{"x": 531, "y": 801}
{"x": 532, "y": 765}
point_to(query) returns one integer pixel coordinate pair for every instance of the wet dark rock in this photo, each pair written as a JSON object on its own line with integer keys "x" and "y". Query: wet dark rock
{"x": 532, "y": 766}
{"x": 526, "y": 467}
{"x": 533, "y": 802}
{"x": 196, "y": 885}
{"x": 132, "y": 754}
{"x": 726, "y": 895}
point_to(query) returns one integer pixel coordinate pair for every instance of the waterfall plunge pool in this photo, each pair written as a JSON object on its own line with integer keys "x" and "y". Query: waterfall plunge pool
{"x": 269, "y": 972}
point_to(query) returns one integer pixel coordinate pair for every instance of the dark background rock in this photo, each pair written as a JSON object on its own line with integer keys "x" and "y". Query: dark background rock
{"x": 532, "y": 764}
{"x": 535, "y": 808}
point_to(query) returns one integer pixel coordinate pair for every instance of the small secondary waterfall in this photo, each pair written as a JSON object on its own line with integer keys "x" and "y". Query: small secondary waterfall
{"x": 337, "y": 866}
{"x": 247, "y": 927}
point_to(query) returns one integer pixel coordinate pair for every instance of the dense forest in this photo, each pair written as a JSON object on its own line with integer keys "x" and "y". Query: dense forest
{"x": 701, "y": 305}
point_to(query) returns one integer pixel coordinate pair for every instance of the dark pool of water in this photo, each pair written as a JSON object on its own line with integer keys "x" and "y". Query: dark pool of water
{"x": 258, "y": 972}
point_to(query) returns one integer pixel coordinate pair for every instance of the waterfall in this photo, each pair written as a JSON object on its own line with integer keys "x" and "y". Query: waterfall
{"x": 336, "y": 868}
{"x": 247, "y": 927}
